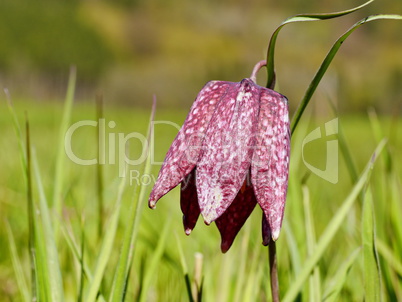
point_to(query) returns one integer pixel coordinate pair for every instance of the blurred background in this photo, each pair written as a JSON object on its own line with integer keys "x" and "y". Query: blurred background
{"x": 129, "y": 50}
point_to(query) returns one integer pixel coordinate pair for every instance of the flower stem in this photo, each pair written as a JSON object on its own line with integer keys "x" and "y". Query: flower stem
{"x": 257, "y": 67}
{"x": 273, "y": 270}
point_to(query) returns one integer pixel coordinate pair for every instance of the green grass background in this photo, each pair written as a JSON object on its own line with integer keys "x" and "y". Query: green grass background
{"x": 243, "y": 273}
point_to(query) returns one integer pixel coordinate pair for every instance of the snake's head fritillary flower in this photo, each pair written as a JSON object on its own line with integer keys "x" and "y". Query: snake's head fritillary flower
{"x": 231, "y": 153}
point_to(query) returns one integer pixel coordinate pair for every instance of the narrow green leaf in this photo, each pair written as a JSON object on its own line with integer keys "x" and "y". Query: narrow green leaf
{"x": 41, "y": 286}
{"x": 185, "y": 270}
{"x": 17, "y": 130}
{"x": 31, "y": 214}
{"x": 293, "y": 248}
{"x": 127, "y": 250}
{"x": 343, "y": 146}
{"x": 106, "y": 247}
{"x": 41, "y": 265}
{"x": 60, "y": 157}
{"x": 371, "y": 267}
{"x": 314, "y": 282}
{"x": 181, "y": 255}
{"x": 17, "y": 265}
{"x": 294, "y": 233}
{"x": 152, "y": 267}
{"x": 75, "y": 250}
{"x": 99, "y": 167}
{"x": 82, "y": 264}
{"x": 347, "y": 155}
{"x": 77, "y": 253}
{"x": 327, "y": 61}
{"x": 54, "y": 274}
{"x": 394, "y": 261}
{"x": 254, "y": 277}
{"x": 223, "y": 279}
{"x": 299, "y": 18}
{"x": 379, "y": 135}
{"x": 336, "y": 284}
{"x": 241, "y": 267}
{"x": 395, "y": 208}
{"x": 26, "y": 174}
{"x": 331, "y": 229}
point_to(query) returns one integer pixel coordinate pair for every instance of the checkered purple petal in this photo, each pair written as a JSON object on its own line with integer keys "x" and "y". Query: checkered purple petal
{"x": 270, "y": 164}
{"x": 185, "y": 149}
{"x": 227, "y": 149}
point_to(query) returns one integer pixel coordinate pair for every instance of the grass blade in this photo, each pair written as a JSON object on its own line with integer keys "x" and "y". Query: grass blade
{"x": 99, "y": 167}
{"x": 155, "y": 260}
{"x": 18, "y": 132}
{"x": 31, "y": 215}
{"x": 17, "y": 265}
{"x": 315, "y": 284}
{"x": 347, "y": 155}
{"x": 224, "y": 280}
{"x": 379, "y": 134}
{"x": 394, "y": 262}
{"x": 185, "y": 270}
{"x": 371, "y": 267}
{"x": 24, "y": 150}
{"x": 59, "y": 170}
{"x": 343, "y": 146}
{"x": 335, "y": 286}
{"x": 82, "y": 264}
{"x": 106, "y": 247}
{"x": 40, "y": 286}
{"x": 293, "y": 248}
{"x": 53, "y": 267}
{"x": 42, "y": 274}
{"x": 77, "y": 253}
{"x": 395, "y": 208}
{"x": 298, "y": 18}
{"x": 331, "y": 229}
{"x": 241, "y": 267}
{"x": 127, "y": 250}
{"x": 327, "y": 61}
{"x": 254, "y": 279}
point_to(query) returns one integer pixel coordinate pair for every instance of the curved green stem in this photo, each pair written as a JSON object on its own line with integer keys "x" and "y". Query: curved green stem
{"x": 299, "y": 18}
{"x": 327, "y": 61}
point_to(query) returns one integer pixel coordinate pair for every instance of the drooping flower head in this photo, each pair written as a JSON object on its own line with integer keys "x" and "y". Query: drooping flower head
{"x": 231, "y": 153}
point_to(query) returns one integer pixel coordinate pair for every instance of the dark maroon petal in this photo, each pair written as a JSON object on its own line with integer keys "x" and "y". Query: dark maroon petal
{"x": 189, "y": 202}
{"x": 185, "y": 149}
{"x": 266, "y": 231}
{"x": 233, "y": 219}
{"x": 270, "y": 164}
{"x": 227, "y": 149}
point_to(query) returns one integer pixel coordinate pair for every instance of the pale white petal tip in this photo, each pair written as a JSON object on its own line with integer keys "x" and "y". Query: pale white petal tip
{"x": 208, "y": 218}
{"x": 188, "y": 231}
{"x": 275, "y": 234}
{"x": 152, "y": 204}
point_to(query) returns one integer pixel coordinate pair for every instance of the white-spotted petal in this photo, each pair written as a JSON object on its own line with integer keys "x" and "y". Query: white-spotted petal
{"x": 270, "y": 164}
{"x": 227, "y": 149}
{"x": 184, "y": 152}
